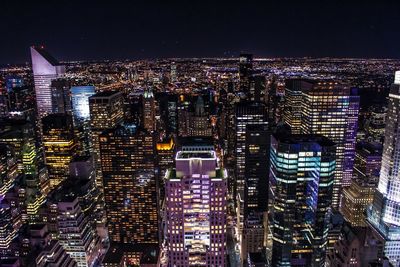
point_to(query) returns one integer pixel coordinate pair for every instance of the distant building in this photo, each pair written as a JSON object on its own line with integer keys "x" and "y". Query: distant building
{"x": 149, "y": 111}
{"x": 60, "y": 146}
{"x": 61, "y": 96}
{"x": 245, "y": 72}
{"x": 359, "y": 195}
{"x": 196, "y": 206}
{"x": 199, "y": 124}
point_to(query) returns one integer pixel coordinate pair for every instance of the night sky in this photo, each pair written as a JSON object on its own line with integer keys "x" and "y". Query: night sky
{"x": 74, "y": 30}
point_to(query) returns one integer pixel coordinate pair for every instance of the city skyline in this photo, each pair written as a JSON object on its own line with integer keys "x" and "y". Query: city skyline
{"x": 206, "y": 134}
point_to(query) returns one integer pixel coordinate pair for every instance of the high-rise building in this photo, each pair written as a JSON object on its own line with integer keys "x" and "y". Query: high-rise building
{"x": 106, "y": 112}
{"x": 359, "y": 195}
{"x": 293, "y": 103}
{"x": 301, "y": 184}
{"x": 257, "y": 147}
{"x": 130, "y": 189}
{"x": 196, "y": 208}
{"x": 80, "y": 102}
{"x": 45, "y": 69}
{"x": 256, "y": 188}
{"x": 59, "y": 144}
{"x": 148, "y": 110}
{"x": 247, "y": 113}
{"x": 331, "y": 109}
{"x": 258, "y": 86}
{"x": 61, "y": 96}
{"x": 384, "y": 215}
{"x": 75, "y": 233}
{"x": 54, "y": 255}
{"x": 245, "y": 72}
{"x": 199, "y": 124}
{"x": 183, "y": 113}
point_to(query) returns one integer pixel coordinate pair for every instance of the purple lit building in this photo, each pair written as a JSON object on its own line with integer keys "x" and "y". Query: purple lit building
{"x": 196, "y": 210}
{"x": 45, "y": 70}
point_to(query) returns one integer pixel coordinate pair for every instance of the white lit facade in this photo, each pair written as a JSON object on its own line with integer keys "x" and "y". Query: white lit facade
{"x": 45, "y": 69}
{"x": 196, "y": 210}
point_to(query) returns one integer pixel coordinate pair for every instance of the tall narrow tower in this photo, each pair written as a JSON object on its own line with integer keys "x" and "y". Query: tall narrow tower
{"x": 196, "y": 210}
{"x": 384, "y": 215}
{"x": 45, "y": 69}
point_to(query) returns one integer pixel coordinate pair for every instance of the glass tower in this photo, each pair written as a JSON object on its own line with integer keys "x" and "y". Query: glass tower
{"x": 301, "y": 183}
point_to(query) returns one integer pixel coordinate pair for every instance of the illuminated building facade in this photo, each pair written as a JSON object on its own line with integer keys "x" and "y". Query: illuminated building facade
{"x": 80, "y": 102}
{"x": 331, "y": 109}
{"x": 199, "y": 122}
{"x": 149, "y": 110}
{"x": 293, "y": 104}
{"x": 61, "y": 96}
{"x": 359, "y": 195}
{"x": 247, "y": 113}
{"x": 75, "y": 233}
{"x": 384, "y": 215}
{"x": 106, "y": 112}
{"x": 196, "y": 210}
{"x": 8, "y": 169}
{"x": 301, "y": 184}
{"x": 245, "y": 72}
{"x": 54, "y": 255}
{"x": 130, "y": 189}
{"x": 45, "y": 69}
{"x": 60, "y": 146}
{"x": 18, "y": 136}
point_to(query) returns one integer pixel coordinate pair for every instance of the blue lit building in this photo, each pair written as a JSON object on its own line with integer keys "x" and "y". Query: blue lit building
{"x": 13, "y": 82}
{"x": 80, "y": 102}
{"x": 301, "y": 182}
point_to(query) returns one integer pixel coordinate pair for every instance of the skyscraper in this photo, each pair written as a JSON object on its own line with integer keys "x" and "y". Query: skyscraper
{"x": 61, "y": 96}
{"x": 45, "y": 69}
{"x": 359, "y": 195}
{"x": 196, "y": 210}
{"x": 75, "y": 233}
{"x": 384, "y": 214}
{"x": 130, "y": 191}
{"x": 247, "y": 113}
{"x": 199, "y": 124}
{"x": 60, "y": 146}
{"x": 301, "y": 184}
{"x": 80, "y": 102}
{"x": 293, "y": 103}
{"x": 331, "y": 109}
{"x": 106, "y": 112}
{"x": 148, "y": 110}
{"x": 245, "y": 72}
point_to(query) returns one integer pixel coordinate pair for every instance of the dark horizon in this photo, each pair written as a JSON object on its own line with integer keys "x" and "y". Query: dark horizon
{"x": 98, "y": 31}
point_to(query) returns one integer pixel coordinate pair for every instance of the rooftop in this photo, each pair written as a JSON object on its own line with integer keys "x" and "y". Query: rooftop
{"x": 195, "y": 154}
{"x": 105, "y": 94}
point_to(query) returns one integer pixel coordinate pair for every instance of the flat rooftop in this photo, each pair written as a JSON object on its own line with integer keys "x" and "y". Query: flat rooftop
{"x": 195, "y": 154}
